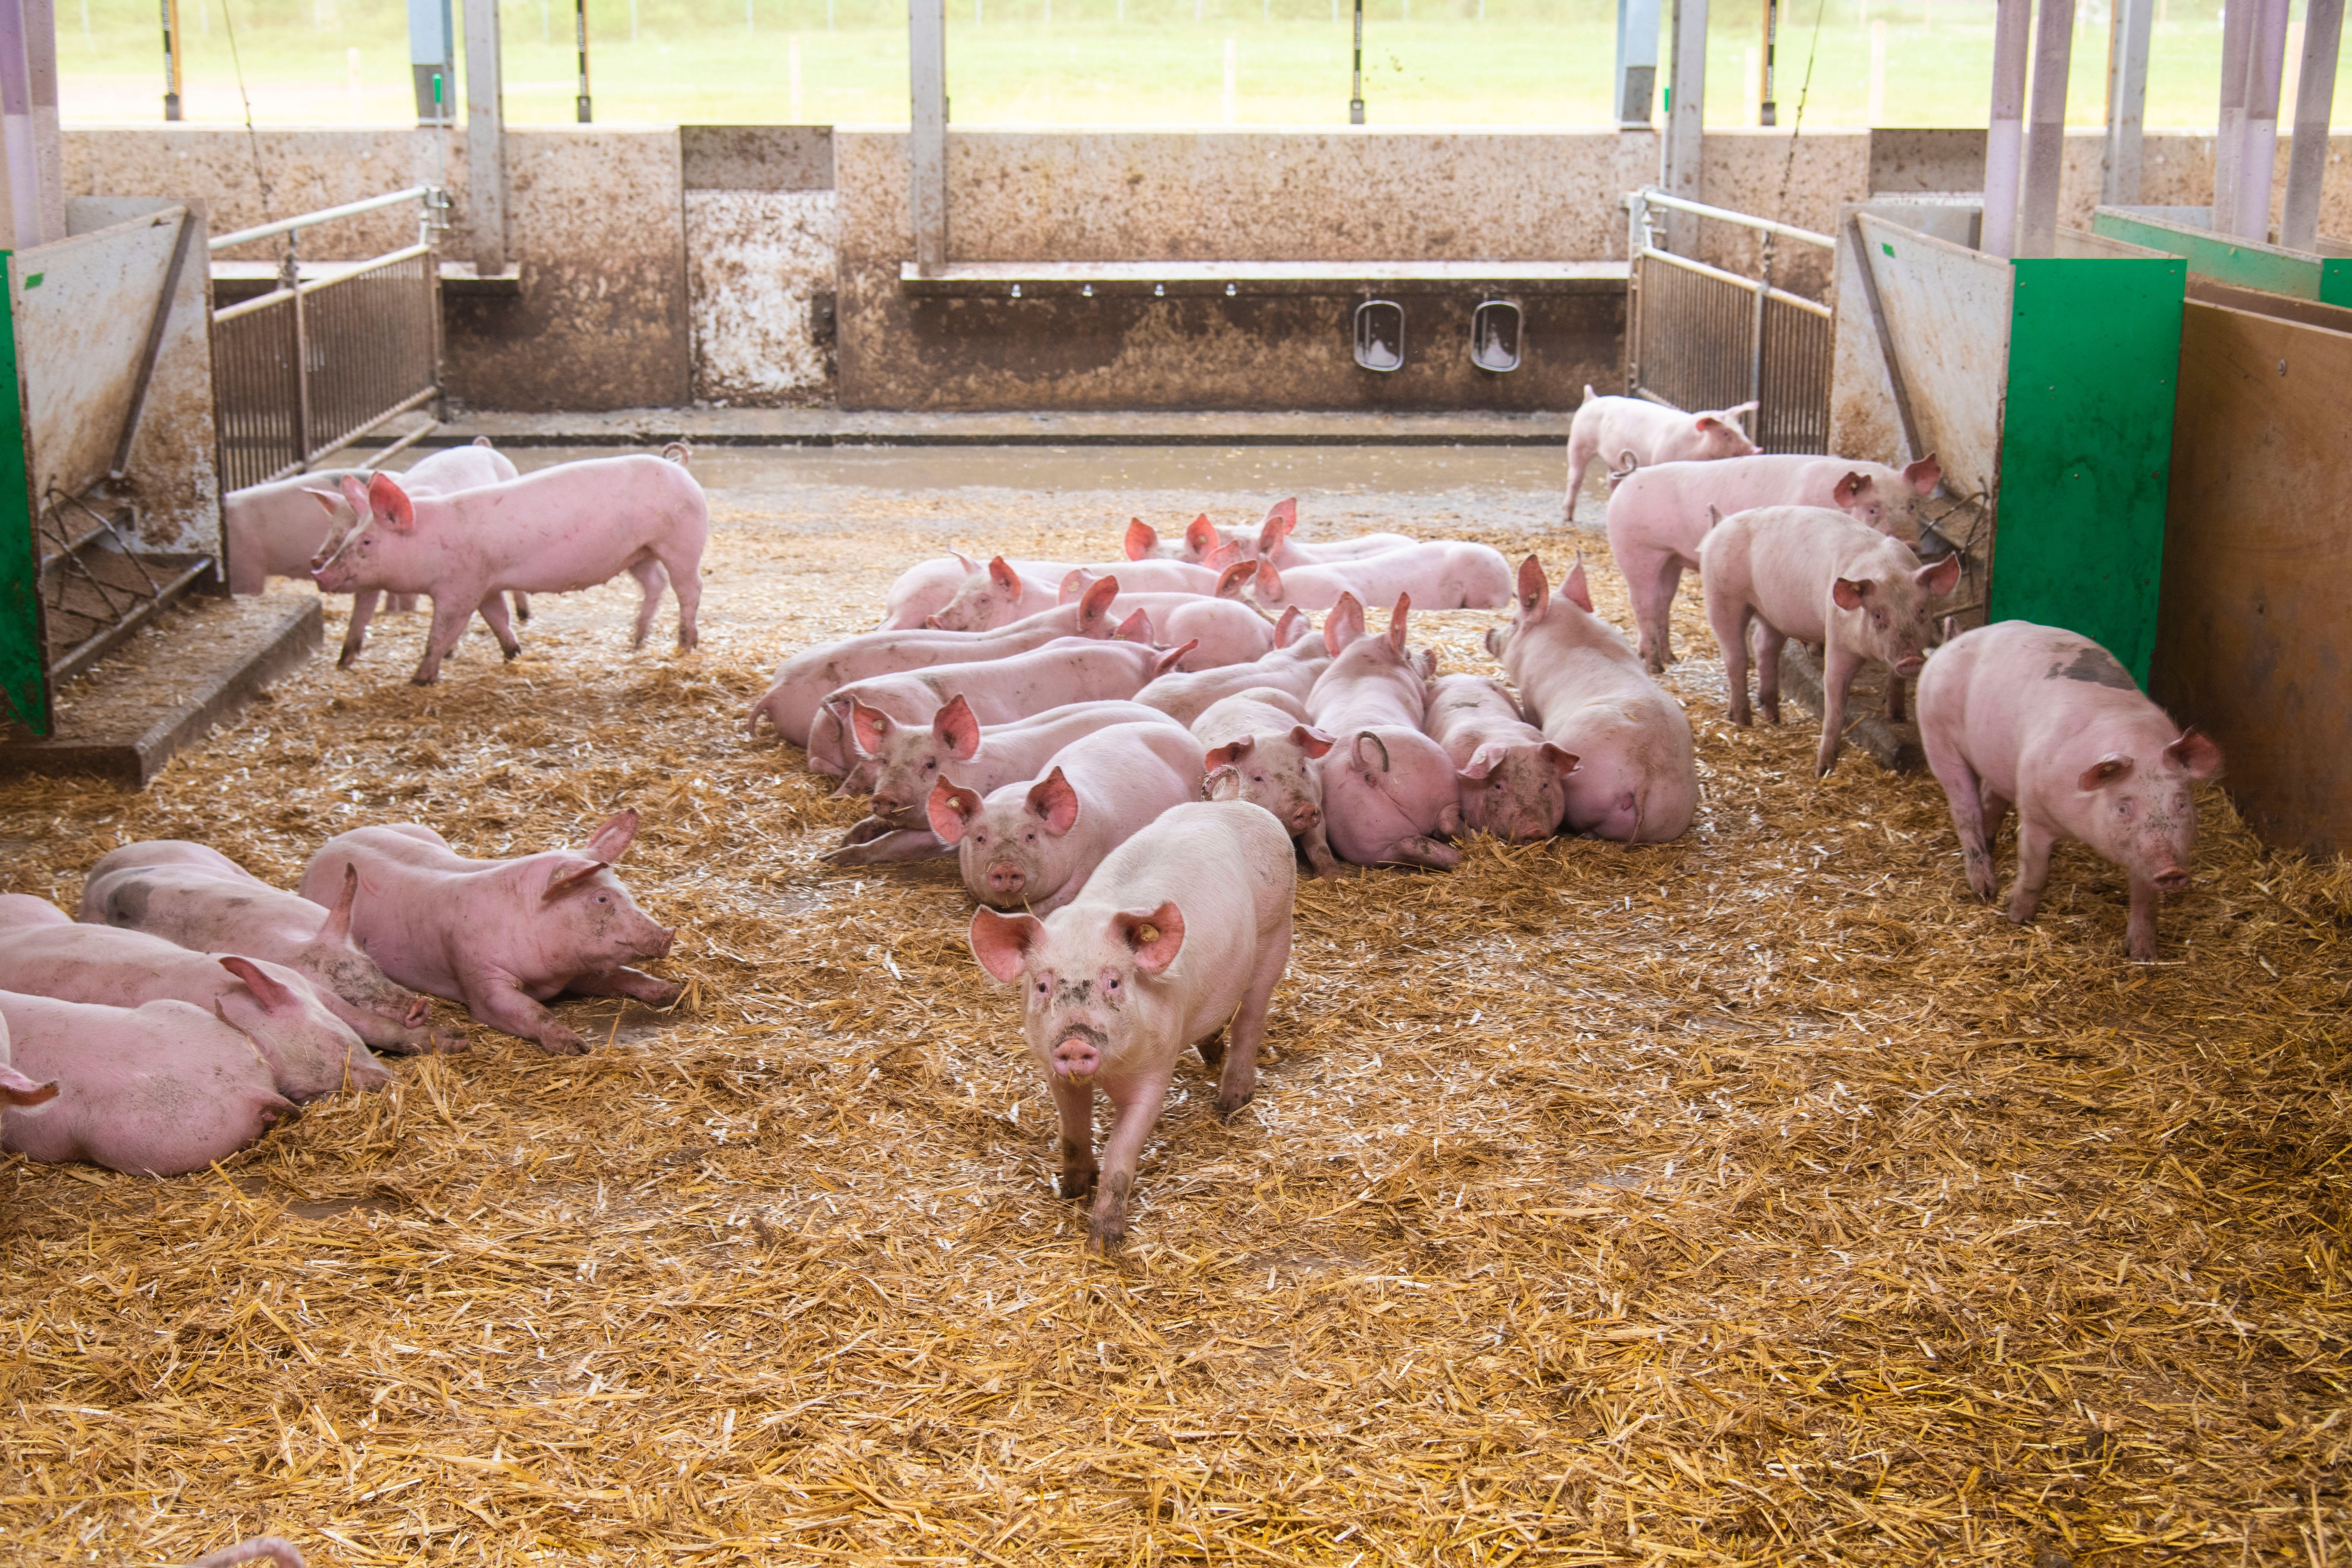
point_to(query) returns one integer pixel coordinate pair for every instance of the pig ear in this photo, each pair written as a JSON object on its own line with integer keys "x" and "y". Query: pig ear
{"x": 1535, "y": 590}
{"x": 355, "y": 490}
{"x": 1282, "y": 517}
{"x": 1739, "y": 411}
{"x": 2194, "y": 753}
{"x": 1849, "y": 593}
{"x": 569, "y": 874}
{"x": 1364, "y": 735}
{"x": 1311, "y": 740}
{"x": 1054, "y": 802}
{"x": 956, "y": 728}
{"x": 273, "y": 997}
{"x": 2106, "y": 771}
{"x": 1290, "y": 629}
{"x": 1228, "y": 755}
{"x": 328, "y": 500}
{"x": 931, "y": 624}
{"x": 1397, "y": 624}
{"x": 1269, "y": 580}
{"x": 1236, "y": 577}
{"x": 1074, "y": 583}
{"x": 1854, "y": 488}
{"x": 1706, "y": 422}
{"x": 1481, "y": 763}
{"x": 1002, "y": 943}
{"x": 1925, "y": 475}
{"x": 1942, "y": 577}
{"x": 338, "y": 919}
{"x": 1135, "y": 628}
{"x": 966, "y": 562}
{"x": 870, "y": 728}
{"x": 1154, "y": 936}
{"x": 613, "y": 837}
{"x": 1343, "y": 626}
{"x": 16, "y": 1088}
{"x": 1577, "y": 591}
{"x": 1201, "y": 535}
{"x": 1094, "y": 604}
{"x": 951, "y": 809}
{"x": 1563, "y": 762}
{"x": 1141, "y": 539}
{"x": 1222, "y": 783}
{"x": 1172, "y": 657}
{"x": 1004, "y": 577}
{"x": 1221, "y": 556}
{"x": 390, "y": 502}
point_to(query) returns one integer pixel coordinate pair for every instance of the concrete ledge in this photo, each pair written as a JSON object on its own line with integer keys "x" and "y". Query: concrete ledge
{"x": 1011, "y": 280}
{"x": 1895, "y": 746}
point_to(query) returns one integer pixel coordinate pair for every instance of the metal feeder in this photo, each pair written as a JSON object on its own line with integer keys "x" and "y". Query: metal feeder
{"x": 1494, "y": 328}
{"x": 1379, "y": 335}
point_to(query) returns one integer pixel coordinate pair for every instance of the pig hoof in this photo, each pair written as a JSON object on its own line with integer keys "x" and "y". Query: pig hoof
{"x": 423, "y": 679}
{"x": 1212, "y": 1049}
{"x": 562, "y": 1042}
{"x": 1077, "y": 1184}
{"x": 444, "y": 1041}
{"x": 1105, "y": 1240}
{"x": 513, "y": 653}
{"x": 1229, "y": 1109}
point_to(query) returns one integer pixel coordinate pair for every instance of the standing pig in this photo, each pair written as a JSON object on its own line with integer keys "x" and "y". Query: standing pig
{"x": 1036, "y": 844}
{"x": 1820, "y": 576}
{"x": 2015, "y": 712}
{"x": 1659, "y": 516}
{"x": 443, "y": 473}
{"x": 155, "y": 1090}
{"x": 1184, "y": 930}
{"x": 1263, "y": 737}
{"x": 273, "y": 530}
{"x": 1388, "y": 789}
{"x": 1637, "y": 778}
{"x": 1443, "y": 574}
{"x": 1292, "y": 665}
{"x": 1514, "y": 781}
{"x": 501, "y": 936}
{"x": 1276, "y": 543}
{"x": 1615, "y": 428}
{"x": 202, "y": 900}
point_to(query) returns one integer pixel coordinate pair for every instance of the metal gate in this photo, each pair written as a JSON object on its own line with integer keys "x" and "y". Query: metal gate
{"x": 1706, "y": 338}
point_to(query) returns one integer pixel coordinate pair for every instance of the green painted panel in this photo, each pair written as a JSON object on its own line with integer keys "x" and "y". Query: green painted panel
{"x": 2264, "y": 266}
{"x": 2336, "y": 281}
{"x": 24, "y": 663}
{"x": 2087, "y": 448}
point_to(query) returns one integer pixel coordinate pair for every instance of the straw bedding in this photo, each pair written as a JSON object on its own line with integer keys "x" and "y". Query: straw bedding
{"x": 1755, "y": 1197}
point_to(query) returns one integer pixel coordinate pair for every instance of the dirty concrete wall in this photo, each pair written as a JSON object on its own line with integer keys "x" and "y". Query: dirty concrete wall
{"x": 761, "y": 235}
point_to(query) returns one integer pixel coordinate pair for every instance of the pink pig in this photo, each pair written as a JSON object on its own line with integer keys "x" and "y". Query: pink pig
{"x": 1292, "y": 666}
{"x": 1514, "y": 781}
{"x": 1637, "y": 778}
{"x": 1629, "y": 433}
{"x": 1227, "y": 632}
{"x": 1262, "y": 739}
{"x": 1658, "y": 517}
{"x": 17, "y": 1088}
{"x": 572, "y": 526}
{"x": 925, "y": 590}
{"x": 157, "y": 1091}
{"x": 202, "y": 900}
{"x": 1388, "y": 789}
{"x": 501, "y": 936}
{"x": 443, "y": 473}
{"x": 1445, "y": 574}
{"x": 1035, "y": 844}
{"x": 1202, "y": 539}
{"x": 2015, "y": 712}
{"x": 1821, "y": 577}
{"x": 1276, "y": 543}
{"x": 1183, "y": 930}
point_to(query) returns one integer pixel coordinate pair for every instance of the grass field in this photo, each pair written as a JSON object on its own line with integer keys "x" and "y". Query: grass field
{"x": 1097, "y": 62}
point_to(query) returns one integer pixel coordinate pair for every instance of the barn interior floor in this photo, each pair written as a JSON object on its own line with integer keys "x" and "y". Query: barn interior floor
{"x": 1755, "y": 1197}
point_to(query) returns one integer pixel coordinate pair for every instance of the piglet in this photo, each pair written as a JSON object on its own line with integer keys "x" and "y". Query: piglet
{"x": 1225, "y": 631}
{"x": 1276, "y": 543}
{"x": 1388, "y": 789}
{"x": 1183, "y": 930}
{"x": 2015, "y": 712}
{"x": 1201, "y": 539}
{"x": 16, "y": 1088}
{"x": 1637, "y": 778}
{"x": 927, "y": 588}
{"x": 1821, "y": 577}
{"x": 1514, "y": 783}
{"x": 1630, "y": 433}
{"x": 1036, "y": 843}
{"x": 159, "y": 1089}
{"x": 438, "y": 474}
{"x": 1444, "y": 574}
{"x": 202, "y": 900}
{"x": 1263, "y": 738}
{"x": 501, "y": 936}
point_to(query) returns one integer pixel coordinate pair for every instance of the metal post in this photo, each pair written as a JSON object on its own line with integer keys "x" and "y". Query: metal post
{"x": 432, "y": 59}
{"x": 486, "y": 137}
{"x": 580, "y": 38}
{"x": 1356, "y": 88}
{"x": 1637, "y": 62}
{"x": 1686, "y": 119}
{"x": 927, "y": 61}
{"x": 1767, "y": 111}
{"x": 2229, "y": 136}
{"x": 2119, "y": 179}
{"x": 49, "y": 138}
{"x": 2011, "y": 31}
{"x": 2258, "y": 142}
{"x": 2314, "y": 96}
{"x": 2045, "y": 146}
{"x": 17, "y": 139}
{"x": 171, "y": 59}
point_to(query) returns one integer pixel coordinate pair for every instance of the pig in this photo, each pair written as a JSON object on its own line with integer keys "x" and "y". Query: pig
{"x": 1202, "y": 539}
{"x": 999, "y": 594}
{"x": 443, "y": 473}
{"x": 1659, "y": 515}
{"x": 1002, "y": 594}
{"x": 925, "y": 589}
{"x": 309, "y": 1051}
{"x": 1275, "y": 542}
{"x": 1183, "y": 930}
{"x": 1388, "y": 789}
{"x": 1000, "y": 691}
{"x": 1820, "y": 576}
{"x": 278, "y": 1552}
{"x": 1262, "y": 736}
{"x": 1637, "y": 778}
{"x": 1445, "y": 574}
{"x": 2050, "y": 721}
{"x": 1514, "y": 783}
{"x": 797, "y": 692}
{"x": 200, "y": 899}
{"x": 20, "y": 911}
{"x": 563, "y": 528}
{"x": 1636, "y": 432}
{"x": 1292, "y": 666}
{"x": 273, "y": 530}
{"x": 909, "y": 758}
{"x": 1227, "y": 631}
{"x": 501, "y": 936}
{"x": 1036, "y": 843}
{"x": 17, "y": 1088}
{"x": 159, "y": 1089}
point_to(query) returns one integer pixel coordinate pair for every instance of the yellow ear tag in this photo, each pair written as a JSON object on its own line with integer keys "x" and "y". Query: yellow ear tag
{"x": 1145, "y": 935}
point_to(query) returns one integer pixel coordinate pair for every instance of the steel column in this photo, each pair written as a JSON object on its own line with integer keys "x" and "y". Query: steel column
{"x": 2127, "y": 37}
{"x": 2258, "y": 140}
{"x": 927, "y": 69}
{"x": 2314, "y": 96}
{"x": 1637, "y": 63}
{"x": 2229, "y": 123}
{"x": 485, "y": 137}
{"x": 2046, "y": 147}
{"x": 2012, "y": 28}
{"x": 1686, "y": 119}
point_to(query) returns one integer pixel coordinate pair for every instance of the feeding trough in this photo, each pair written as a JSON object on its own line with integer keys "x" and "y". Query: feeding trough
{"x": 1379, "y": 335}
{"x": 1494, "y": 329}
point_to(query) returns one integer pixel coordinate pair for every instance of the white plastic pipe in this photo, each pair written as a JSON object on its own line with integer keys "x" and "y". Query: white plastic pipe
{"x": 2258, "y": 140}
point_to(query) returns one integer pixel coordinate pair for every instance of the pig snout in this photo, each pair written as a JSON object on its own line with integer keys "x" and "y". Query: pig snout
{"x": 1303, "y": 815}
{"x": 654, "y": 941}
{"x": 2171, "y": 879}
{"x": 1006, "y": 879}
{"x": 1910, "y": 664}
{"x": 1077, "y": 1057}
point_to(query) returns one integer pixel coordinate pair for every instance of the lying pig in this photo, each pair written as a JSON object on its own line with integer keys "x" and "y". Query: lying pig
{"x": 1035, "y": 844}
{"x": 572, "y": 526}
{"x": 155, "y": 1090}
{"x": 1201, "y": 539}
{"x": 911, "y": 758}
{"x": 1227, "y": 632}
{"x": 1183, "y": 930}
{"x": 1444, "y": 574}
{"x": 1820, "y": 576}
{"x": 797, "y": 691}
{"x": 20, "y": 911}
{"x": 1388, "y": 789}
{"x": 1276, "y": 543}
{"x": 1658, "y": 517}
{"x": 1634, "y": 433}
{"x": 501, "y": 936}
{"x": 2015, "y": 712}
{"x": 1262, "y": 736}
{"x": 311, "y": 1052}
{"x": 1292, "y": 666}
{"x": 1514, "y": 783}
{"x": 1637, "y": 778}
{"x": 202, "y": 900}
{"x": 923, "y": 590}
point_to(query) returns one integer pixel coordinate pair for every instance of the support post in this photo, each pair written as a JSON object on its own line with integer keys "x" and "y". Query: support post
{"x": 485, "y": 137}
{"x": 927, "y": 69}
{"x": 2045, "y": 146}
{"x": 580, "y": 42}
{"x": 2314, "y": 96}
{"x": 1637, "y": 62}
{"x": 2230, "y": 127}
{"x": 432, "y": 60}
{"x": 1356, "y": 81}
{"x": 23, "y": 37}
{"x": 171, "y": 59}
{"x": 1686, "y": 120}
{"x": 2258, "y": 141}
{"x": 2011, "y": 31}
{"x": 1768, "y": 112}
{"x": 49, "y": 136}
{"x": 2119, "y": 178}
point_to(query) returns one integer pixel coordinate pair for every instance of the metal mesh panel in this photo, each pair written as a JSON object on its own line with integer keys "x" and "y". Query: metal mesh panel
{"x": 1795, "y": 396}
{"x": 256, "y": 395}
{"x": 369, "y": 336}
{"x": 1696, "y": 327}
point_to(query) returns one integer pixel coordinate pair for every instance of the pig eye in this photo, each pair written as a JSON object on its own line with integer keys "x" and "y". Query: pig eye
{"x": 1041, "y": 988}
{"x": 932, "y": 765}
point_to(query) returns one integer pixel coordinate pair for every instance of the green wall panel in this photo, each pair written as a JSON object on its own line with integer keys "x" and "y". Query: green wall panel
{"x": 23, "y": 665}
